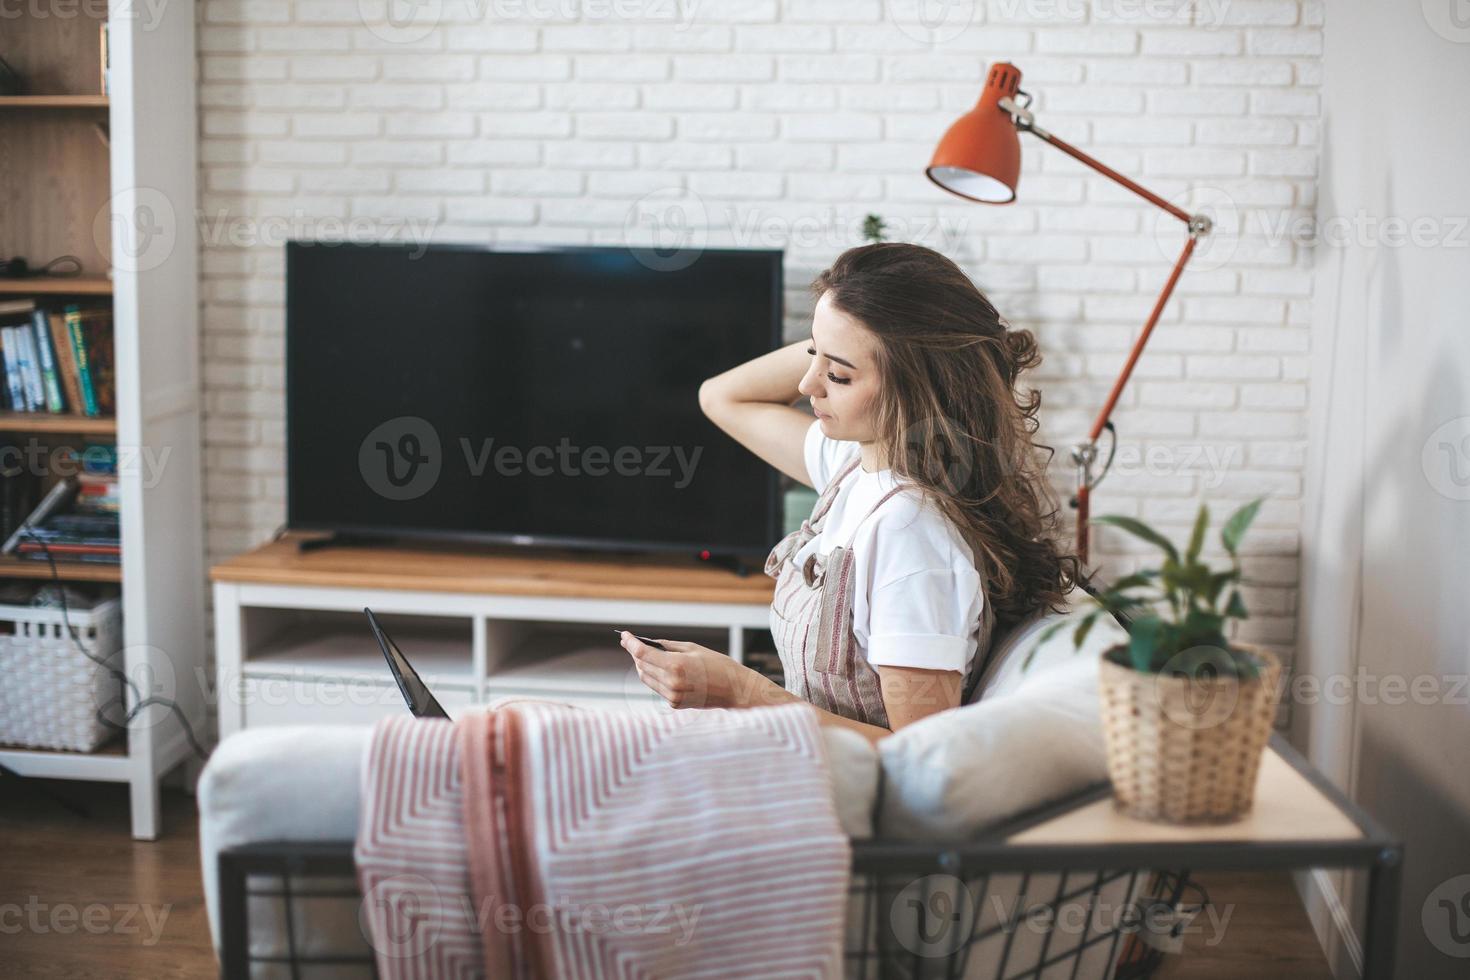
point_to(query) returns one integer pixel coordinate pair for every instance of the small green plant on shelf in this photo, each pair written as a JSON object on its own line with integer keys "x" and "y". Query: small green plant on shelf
{"x": 1177, "y": 612}
{"x": 875, "y": 230}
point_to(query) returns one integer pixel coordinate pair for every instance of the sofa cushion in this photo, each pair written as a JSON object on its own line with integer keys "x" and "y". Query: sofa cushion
{"x": 1034, "y": 736}
{"x": 292, "y": 783}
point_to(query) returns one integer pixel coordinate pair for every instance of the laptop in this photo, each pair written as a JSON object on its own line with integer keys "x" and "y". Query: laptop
{"x": 420, "y": 700}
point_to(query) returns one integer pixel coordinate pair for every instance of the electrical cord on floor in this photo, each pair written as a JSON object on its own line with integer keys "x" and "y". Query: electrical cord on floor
{"x": 123, "y": 678}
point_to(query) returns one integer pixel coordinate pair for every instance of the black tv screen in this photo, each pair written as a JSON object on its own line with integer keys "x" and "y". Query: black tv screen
{"x": 533, "y": 396}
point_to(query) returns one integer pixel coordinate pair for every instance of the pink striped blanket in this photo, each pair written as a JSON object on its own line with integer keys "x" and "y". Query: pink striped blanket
{"x": 541, "y": 840}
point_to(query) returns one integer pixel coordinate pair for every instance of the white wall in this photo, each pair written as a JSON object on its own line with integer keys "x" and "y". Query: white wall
{"x": 1386, "y": 546}
{"x": 780, "y": 124}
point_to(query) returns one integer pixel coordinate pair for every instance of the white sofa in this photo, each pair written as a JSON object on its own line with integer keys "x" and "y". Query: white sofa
{"x": 1030, "y": 736}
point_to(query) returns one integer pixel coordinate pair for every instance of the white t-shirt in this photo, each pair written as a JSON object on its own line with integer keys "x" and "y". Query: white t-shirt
{"x": 917, "y": 598}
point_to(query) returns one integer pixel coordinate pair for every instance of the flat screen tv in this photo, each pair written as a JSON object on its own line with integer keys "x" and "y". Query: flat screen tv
{"x": 534, "y": 396}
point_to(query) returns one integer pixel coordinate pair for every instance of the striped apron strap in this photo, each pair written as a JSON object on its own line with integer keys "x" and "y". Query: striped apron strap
{"x": 834, "y": 632}
{"x": 796, "y": 540}
{"x": 829, "y": 493}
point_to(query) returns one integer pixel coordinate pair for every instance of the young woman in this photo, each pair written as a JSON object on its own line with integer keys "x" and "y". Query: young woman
{"x": 935, "y": 525}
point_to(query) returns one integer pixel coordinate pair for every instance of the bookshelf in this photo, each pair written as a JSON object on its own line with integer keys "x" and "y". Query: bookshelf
{"x": 69, "y": 571}
{"x": 78, "y": 159}
{"x": 53, "y": 102}
{"x": 57, "y": 286}
{"x": 12, "y": 422}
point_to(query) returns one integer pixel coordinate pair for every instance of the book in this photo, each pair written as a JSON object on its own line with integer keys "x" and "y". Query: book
{"x": 94, "y": 459}
{"x": 12, "y": 313}
{"x": 97, "y": 324}
{"x": 74, "y": 537}
{"x": 66, "y": 364}
{"x": 76, "y": 332}
{"x": 15, "y": 351}
{"x": 57, "y": 498}
{"x": 73, "y": 525}
{"x": 87, "y": 556}
{"x": 97, "y": 495}
{"x": 12, "y": 369}
{"x": 30, "y": 370}
{"x": 69, "y": 548}
{"x": 16, "y": 486}
{"x": 50, "y": 382}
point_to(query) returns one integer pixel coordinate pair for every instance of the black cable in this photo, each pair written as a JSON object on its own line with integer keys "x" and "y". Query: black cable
{"x": 1112, "y": 448}
{"x": 122, "y": 677}
{"x": 74, "y": 267}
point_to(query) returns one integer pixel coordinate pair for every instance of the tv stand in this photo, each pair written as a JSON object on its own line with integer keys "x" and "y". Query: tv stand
{"x": 342, "y": 539}
{"x": 292, "y": 645}
{"x": 734, "y": 563}
{"x": 350, "y": 539}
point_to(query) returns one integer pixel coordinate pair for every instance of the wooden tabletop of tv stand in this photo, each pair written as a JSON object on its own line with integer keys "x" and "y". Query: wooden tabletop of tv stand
{"x": 494, "y": 571}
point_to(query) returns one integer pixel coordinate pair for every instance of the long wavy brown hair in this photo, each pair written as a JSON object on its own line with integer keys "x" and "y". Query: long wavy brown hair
{"x": 952, "y": 419}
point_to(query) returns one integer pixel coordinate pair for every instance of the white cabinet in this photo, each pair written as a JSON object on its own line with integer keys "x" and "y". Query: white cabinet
{"x": 293, "y": 645}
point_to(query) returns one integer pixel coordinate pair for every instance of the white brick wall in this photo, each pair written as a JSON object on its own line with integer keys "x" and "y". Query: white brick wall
{"x": 783, "y": 122}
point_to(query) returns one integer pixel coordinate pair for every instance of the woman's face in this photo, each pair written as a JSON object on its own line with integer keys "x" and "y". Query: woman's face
{"x": 842, "y": 380}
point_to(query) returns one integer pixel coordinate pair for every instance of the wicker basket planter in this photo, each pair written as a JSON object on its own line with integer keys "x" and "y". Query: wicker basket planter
{"x": 1182, "y": 749}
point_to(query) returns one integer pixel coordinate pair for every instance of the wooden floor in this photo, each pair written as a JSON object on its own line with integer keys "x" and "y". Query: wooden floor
{"x": 94, "y": 903}
{"x": 1266, "y": 937}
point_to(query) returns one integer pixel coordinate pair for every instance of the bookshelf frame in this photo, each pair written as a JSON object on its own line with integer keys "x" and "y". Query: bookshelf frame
{"x": 70, "y": 186}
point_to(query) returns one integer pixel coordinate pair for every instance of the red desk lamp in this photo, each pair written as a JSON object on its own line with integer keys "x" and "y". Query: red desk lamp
{"x": 979, "y": 159}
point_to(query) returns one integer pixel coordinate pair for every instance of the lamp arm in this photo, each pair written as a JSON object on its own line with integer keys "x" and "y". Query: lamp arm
{"x": 1084, "y": 455}
{"x": 1153, "y": 318}
{"x": 1026, "y": 122}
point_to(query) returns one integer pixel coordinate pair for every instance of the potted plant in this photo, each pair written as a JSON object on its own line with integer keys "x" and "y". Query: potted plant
{"x": 875, "y": 229}
{"x": 1186, "y": 712}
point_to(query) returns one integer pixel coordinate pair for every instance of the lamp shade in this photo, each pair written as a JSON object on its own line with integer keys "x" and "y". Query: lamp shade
{"x": 979, "y": 157}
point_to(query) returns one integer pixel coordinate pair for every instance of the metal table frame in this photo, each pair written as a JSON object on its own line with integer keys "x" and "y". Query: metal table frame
{"x": 1375, "y": 852}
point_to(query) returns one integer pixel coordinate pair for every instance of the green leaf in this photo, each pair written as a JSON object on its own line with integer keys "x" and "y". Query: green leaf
{"x": 1133, "y": 581}
{"x": 1218, "y": 581}
{"x": 1197, "y": 539}
{"x": 1235, "y": 526}
{"x": 1082, "y": 630}
{"x": 1143, "y": 640}
{"x": 1192, "y": 578}
{"x": 1169, "y": 575}
{"x": 1201, "y": 628}
{"x": 1235, "y": 608}
{"x": 1141, "y": 530}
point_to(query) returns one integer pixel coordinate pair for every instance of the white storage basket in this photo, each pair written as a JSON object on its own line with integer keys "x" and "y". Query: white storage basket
{"x": 53, "y": 697}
